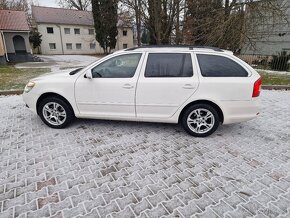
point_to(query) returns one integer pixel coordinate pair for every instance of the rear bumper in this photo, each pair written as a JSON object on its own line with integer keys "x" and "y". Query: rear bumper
{"x": 239, "y": 111}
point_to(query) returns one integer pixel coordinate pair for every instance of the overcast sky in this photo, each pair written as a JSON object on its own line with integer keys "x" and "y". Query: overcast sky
{"x": 49, "y": 3}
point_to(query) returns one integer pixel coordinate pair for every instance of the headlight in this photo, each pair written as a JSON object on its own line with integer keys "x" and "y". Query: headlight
{"x": 29, "y": 86}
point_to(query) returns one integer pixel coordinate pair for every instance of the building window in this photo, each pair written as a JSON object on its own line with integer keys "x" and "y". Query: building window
{"x": 92, "y": 45}
{"x": 91, "y": 31}
{"x": 125, "y": 32}
{"x": 52, "y": 46}
{"x": 125, "y": 46}
{"x": 49, "y": 29}
{"x": 69, "y": 46}
{"x": 77, "y": 31}
{"x": 78, "y": 46}
{"x": 67, "y": 30}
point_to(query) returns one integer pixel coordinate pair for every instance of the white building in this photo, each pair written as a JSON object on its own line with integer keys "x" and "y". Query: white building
{"x": 273, "y": 35}
{"x": 66, "y": 31}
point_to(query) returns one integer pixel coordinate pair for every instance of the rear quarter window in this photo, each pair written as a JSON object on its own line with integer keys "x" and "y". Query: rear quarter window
{"x": 219, "y": 66}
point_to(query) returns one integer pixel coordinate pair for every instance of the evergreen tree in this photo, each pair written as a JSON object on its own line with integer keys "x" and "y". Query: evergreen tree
{"x": 145, "y": 37}
{"x": 35, "y": 38}
{"x": 105, "y": 19}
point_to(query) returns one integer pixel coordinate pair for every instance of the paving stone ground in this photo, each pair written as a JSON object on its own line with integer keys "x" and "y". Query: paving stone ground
{"x": 125, "y": 169}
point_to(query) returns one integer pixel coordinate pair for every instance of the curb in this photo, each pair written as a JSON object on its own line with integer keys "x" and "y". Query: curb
{"x": 276, "y": 87}
{"x": 265, "y": 87}
{"x": 11, "y": 92}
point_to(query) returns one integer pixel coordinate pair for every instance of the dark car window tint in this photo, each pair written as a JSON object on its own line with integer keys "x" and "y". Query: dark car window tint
{"x": 122, "y": 66}
{"x": 218, "y": 66}
{"x": 169, "y": 65}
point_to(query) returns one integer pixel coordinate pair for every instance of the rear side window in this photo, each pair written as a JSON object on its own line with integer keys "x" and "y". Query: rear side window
{"x": 169, "y": 65}
{"x": 218, "y": 66}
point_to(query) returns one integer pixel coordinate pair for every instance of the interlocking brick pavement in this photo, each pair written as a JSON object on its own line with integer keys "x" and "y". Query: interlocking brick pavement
{"x": 125, "y": 169}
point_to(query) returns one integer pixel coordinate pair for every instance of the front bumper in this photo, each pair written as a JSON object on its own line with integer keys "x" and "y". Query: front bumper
{"x": 30, "y": 99}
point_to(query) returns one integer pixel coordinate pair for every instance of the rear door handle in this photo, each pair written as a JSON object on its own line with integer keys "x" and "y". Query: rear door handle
{"x": 188, "y": 86}
{"x": 128, "y": 86}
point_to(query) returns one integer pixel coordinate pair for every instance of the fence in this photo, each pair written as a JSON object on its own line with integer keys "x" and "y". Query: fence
{"x": 268, "y": 62}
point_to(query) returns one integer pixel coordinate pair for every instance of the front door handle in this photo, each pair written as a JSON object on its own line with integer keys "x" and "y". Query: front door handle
{"x": 188, "y": 86}
{"x": 128, "y": 86}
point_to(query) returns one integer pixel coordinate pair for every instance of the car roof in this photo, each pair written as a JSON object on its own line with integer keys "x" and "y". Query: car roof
{"x": 176, "y": 48}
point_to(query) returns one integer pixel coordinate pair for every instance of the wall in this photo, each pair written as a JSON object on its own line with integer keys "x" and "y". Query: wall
{"x": 273, "y": 36}
{"x": 125, "y": 39}
{"x": 9, "y": 41}
{"x": 60, "y": 38}
{"x": 2, "y": 52}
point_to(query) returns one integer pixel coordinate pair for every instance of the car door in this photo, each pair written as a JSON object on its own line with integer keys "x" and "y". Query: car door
{"x": 166, "y": 82}
{"x": 111, "y": 90}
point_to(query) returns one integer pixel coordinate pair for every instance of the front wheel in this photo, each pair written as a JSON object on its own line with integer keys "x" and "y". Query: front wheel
{"x": 200, "y": 120}
{"x": 55, "y": 112}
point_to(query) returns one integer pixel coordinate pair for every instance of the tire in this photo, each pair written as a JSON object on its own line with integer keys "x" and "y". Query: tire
{"x": 62, "y": 112}
{"x": 200, "y": 120}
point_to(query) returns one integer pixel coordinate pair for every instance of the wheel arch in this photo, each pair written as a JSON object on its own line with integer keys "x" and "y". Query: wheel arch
{"x": 214, "y": 105}
{"x": 52, "y": 94}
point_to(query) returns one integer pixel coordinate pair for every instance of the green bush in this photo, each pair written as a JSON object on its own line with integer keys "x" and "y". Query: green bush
{"x": 280, "y": 61}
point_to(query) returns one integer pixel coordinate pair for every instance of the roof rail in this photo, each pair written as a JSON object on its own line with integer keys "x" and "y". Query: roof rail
{"x": 190, "y": 47}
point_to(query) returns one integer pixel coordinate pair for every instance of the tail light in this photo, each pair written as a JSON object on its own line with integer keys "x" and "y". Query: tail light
{"x": 257, "y": 88}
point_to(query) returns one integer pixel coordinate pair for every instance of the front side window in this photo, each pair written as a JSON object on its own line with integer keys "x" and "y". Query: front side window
{"x": 219, "y": 66}
{"x": 122, "y": 66}
{"x": 169, "y": 65}
{"x": 52, "y": 46}
{"x": 77, "y": 31}
{"x": 49, "y": 30}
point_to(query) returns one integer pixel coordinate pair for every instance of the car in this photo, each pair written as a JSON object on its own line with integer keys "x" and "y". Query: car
{"x": 197, "y": 87}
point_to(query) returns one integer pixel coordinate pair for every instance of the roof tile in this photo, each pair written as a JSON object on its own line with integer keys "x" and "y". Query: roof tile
{"x": 62, "y": 16}
{"x": 13, "y": 20}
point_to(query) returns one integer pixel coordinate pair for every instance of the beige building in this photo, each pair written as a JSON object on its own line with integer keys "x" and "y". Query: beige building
{"x": 66, "y": 31}
{"x": 2, "y": 51}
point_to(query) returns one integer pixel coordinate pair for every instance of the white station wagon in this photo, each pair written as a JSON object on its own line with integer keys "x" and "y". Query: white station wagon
{"x": 198, "y": 87}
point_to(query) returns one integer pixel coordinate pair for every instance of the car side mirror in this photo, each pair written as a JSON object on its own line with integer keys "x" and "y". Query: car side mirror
{"x": 89, "y": 74}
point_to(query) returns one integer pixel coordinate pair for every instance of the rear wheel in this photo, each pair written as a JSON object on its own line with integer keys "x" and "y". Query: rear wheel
{"x": 55, "y": 112}
{"x": 200, "y": 120}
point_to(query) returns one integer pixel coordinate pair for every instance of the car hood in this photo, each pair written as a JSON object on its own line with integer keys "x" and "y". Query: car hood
{"x": 54, "y": 75}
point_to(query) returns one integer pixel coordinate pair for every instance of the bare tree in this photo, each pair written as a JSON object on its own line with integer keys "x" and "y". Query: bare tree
{"x": 157, "y": 16}
{"x": 161, "y": 19}
{"x": 82, "y": 5}
{"x": 134, "y": 7}
{"x": 230, "y": 24}
{"x": 21, "y": 5}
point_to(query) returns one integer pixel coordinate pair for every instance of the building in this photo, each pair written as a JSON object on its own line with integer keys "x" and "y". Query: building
{"x": 273, "y": 36}
{"x": 67, "y": 31}
{"x": 14, "y": 37}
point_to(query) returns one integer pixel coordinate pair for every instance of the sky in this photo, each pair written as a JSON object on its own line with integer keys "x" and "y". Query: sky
{"x": 49, "y": 3}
